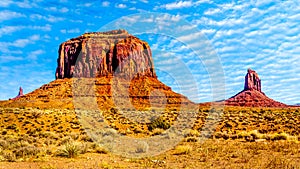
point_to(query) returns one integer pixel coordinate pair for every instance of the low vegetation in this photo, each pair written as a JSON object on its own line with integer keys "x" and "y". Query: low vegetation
{"x": 244, "y": 138}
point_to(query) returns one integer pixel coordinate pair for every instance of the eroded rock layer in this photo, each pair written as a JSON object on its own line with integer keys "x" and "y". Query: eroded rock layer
{"x": 104, "y": 53}
{"x": 252, "y": 81}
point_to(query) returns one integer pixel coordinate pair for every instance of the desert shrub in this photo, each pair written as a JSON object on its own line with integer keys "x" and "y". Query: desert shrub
{"x": 49, "y": 166}
{"x": 114, "y": 110}
{"x": 26, "y": 151}
{"x": 4, "y": 144}
{"x": 4, "y": 132}
{"x": 84, "y": 148}
{"x": 142, "y": 147}
{"x": 159, "y": 123}
{"x": 183, "y": 149}
{"x": 70, "y": 150}
{"x": 9, "y": 156}
{"x": 101, "y": 150}
{"x": 64, "y": 140}
{"x": 192, "y": 133}
{"x": 36, "y": 114}
{"x": 157, "y": 131}
{"x": 280, "y": 136}
{"x": 191, "y": 139}
{"x": 278, "y": 162}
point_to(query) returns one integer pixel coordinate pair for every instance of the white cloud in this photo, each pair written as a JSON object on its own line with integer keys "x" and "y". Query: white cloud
{"x": 182, "y": 4}
{"x": 19, "y": 43}
{"x": 48, "y": 18}
{"x": 122, "y": 6}
{"x": 24, "y": 42}
{"x": 5, "y": 59}
{"x": 9, "y": 29}
{"x": 25, "y": 4}
{"x": 212, "y": 11}
{"x": 87, "y": 4}
{"x": 105, "y": 3}
{"x": 7, "y": 15}
{"x": 177, "y": 5}
{"x": 55, "y": 9}
{"x": 34, "y": 54}
{"x": 5, "y": 3}
{"x": 76, "y": 30}
{"x": 6, "y": 30}
{"x": 144, "y": 1}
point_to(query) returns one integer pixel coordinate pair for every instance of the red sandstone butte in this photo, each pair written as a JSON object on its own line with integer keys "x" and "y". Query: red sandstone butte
{"x": 252, "y": 95}
{"x": 100, "y": 54}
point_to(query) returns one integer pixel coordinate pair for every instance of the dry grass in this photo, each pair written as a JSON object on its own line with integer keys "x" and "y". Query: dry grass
{"x": 183, "y": 149}
{"x": 244, "y": 138}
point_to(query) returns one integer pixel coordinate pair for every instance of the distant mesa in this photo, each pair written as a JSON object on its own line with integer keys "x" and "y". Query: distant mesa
{"x": 19, "y": 94}
{"x": 100, "y": 57}
{"x": 252, "y": 95}
{"x": 101, "y": 54}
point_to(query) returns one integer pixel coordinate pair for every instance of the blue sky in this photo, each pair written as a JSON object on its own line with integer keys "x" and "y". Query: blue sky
{"x": 262, "y": 35}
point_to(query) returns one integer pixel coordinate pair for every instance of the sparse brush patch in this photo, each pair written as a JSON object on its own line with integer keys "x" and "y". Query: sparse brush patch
{"x": 183, "y": 149}
{"x": 192, "y": 133}
{"x": 159, "y": 123}
{"x": 142, "y": 147}
{"x": 9, "y": 156}
{"x": 100, "y": 150}
{"x": 157, "y": 131}
{"x": 69, "y": 150}
{"x": 277, "y": 162}
{"x": 49, "y": 166}
{"x": 27, "y": 151}
{"x": 279, "y": 136}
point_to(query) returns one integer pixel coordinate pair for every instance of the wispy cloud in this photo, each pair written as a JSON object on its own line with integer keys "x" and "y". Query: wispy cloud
{"x": 7, "y": 15}
{"x": 6, "y": 30}
{"x": 76, "y": 30}
{"x": 122, "y": 6}
{"x": 49, "y": 18}
{"x": 5, "y": 3}
{"x": 34, "y": 54}
{"x": 5, "y": 59}
{"x": 144, "y": 1}
{"x": 19, "y": 43}
{"x": 177, "y": 5}
{"x": 181, "y": 4}
{"x": 55, "y": 9}
{"x": 105, "y": 3}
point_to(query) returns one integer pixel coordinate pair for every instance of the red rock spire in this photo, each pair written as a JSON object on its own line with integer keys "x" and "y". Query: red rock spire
{"x": 252, "y": 81}
{"x": 20, "y": 94}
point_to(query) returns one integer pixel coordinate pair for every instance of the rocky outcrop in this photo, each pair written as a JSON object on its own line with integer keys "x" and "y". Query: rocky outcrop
{"x": 19, "y": 94}
{"x": 252, "y": 95}
{"x": 119, "y": 72}
{"x": 252, "y": 81}
{"x": 104, "y": 53}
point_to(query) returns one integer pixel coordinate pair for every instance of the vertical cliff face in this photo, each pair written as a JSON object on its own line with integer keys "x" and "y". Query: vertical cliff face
{"x": 106, "y": 53}
{"x": 252, "y": 95}
{"x": 252, "y": 81}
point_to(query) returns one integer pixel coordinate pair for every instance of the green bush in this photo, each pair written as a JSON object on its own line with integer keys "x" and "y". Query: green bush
{"x": 159, "y": 123}
{"x": 70, "y": 150}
